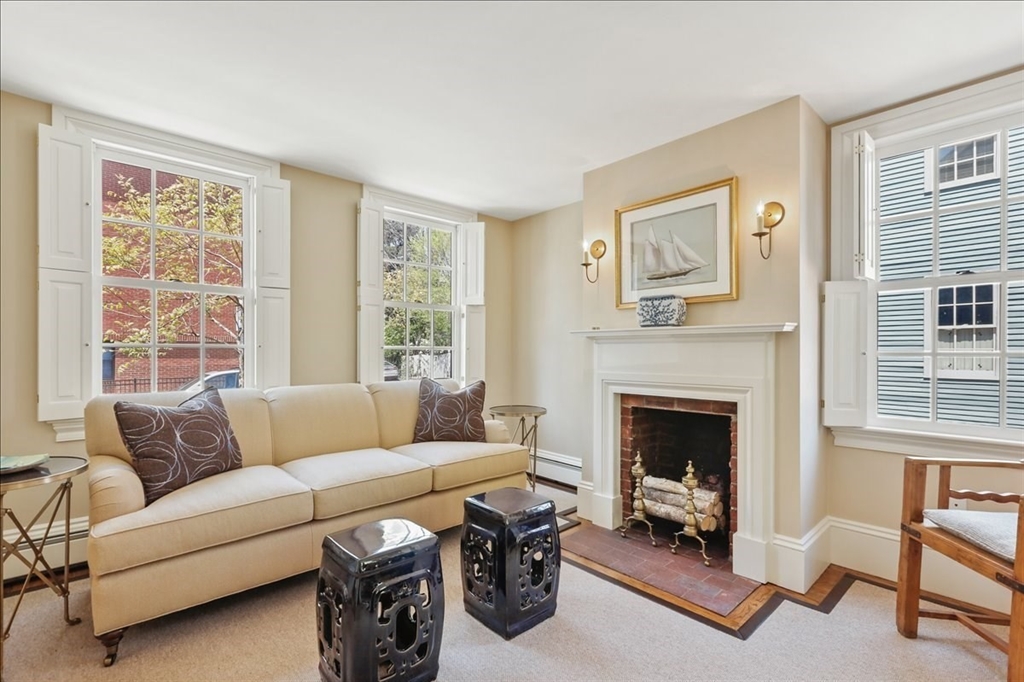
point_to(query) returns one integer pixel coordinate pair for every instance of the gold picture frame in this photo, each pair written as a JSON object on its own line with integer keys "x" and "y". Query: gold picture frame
{"x": 683, "y": 243}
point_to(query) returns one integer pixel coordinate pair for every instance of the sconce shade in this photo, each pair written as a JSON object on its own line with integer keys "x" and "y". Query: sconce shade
{"x": 598, "y": 249}
{"x": 774, "y": 212}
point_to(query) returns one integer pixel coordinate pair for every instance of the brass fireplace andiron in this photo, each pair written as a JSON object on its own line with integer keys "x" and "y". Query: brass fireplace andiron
{"x": 638, "y": 470}
{"x": 690, "y": 518}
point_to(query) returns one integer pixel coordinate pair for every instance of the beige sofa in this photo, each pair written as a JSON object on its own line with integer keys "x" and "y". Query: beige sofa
{"x": 315, "y": 460}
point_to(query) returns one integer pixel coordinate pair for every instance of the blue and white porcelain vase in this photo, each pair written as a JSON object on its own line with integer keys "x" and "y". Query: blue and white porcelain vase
{"x": 666, "y": 310}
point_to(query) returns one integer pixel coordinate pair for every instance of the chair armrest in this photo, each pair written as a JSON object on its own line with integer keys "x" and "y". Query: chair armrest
{"x": 114, "y": 489}
{"x": 943, "y": 461}
{"x": 496, "y": 431}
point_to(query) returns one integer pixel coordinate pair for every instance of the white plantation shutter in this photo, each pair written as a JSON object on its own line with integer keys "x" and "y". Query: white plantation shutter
{"x": 866, "y": 206}
{"x": 370, "y": 292}
{"x": 474, "y": 332}
{"x": 65, "y": 196}
{"x": 273, "y": 357}
{"x": 471, "y": 238}
{"x": 273, "y": 283}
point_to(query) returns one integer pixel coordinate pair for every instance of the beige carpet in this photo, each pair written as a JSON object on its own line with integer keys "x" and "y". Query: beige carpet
{"x": 600, "y": 632}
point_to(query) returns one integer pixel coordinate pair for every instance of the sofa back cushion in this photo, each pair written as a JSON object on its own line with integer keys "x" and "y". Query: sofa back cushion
{"x": 246, "y": 407}
{"x": 322, "y": 419}
{"x": 398, "y": 404}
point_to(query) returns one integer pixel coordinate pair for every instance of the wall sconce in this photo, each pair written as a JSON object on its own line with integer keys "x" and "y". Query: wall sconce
{"x": 768, "y": 216}
{"x": 597, "y": 250}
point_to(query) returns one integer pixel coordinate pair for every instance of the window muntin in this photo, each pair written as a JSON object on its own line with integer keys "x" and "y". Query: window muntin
{"x": 968, "y": 161}
{"x": 420, "y": 307}
{"x": 174, "y": 274}
{"x": 943, "y": 355}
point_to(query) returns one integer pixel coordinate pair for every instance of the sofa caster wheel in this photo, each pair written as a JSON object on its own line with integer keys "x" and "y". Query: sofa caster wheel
{"x": 111, "y": 640}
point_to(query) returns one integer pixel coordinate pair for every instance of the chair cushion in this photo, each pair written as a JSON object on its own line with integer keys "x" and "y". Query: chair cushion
{"x": 994, "y": 532}
{"x": 172, "y": 447}
{"x": 450, "y": 415}
{"x": 236, "y": 504}
{"x": 345, "y": 482}
{"x": 456, "y": 464}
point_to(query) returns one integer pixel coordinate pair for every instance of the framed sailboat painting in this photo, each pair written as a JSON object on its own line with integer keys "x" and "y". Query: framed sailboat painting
{"x": 683, "y": 243}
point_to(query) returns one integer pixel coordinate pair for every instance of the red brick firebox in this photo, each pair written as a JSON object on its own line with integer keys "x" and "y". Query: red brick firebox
{"x": 635, "y": 430}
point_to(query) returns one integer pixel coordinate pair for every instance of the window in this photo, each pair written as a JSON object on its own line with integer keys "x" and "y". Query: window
{"x": 419, "y": 302}
{"x": 421, "y": 306}
{"x": 967, "y": 162}
{"x": 939, "y": 345}
{"x": 163, "y": 265}
{"x": 174, "y": 281}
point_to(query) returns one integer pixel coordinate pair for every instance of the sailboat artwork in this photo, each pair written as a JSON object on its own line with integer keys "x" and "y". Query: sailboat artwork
{"x": 664, "y": 258}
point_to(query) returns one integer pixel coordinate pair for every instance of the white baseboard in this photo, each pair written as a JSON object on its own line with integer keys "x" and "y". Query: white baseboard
{"x": 54, "y": 550}
{"x": 876, "y": 550}
{"x": 797, "y": 563}
{"x": 558, "y": 467}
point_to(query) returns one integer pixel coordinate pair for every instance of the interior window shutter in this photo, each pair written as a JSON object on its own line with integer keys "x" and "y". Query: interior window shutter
{"x": 273, "y": 283}
{"x": 471, "y": 237}
{"x": 65, "y": 343}
{"x": 370, "y": 293}
{"x": 65, "y": 197}
{"x": 273, "y": 346}
{"x": 474, "y": 332}
{"x": 273, "y": 234}
{"x": 845, "y": 353}
{"x": 866, "y": 207}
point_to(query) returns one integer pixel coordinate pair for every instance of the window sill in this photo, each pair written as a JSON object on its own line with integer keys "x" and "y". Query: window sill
{"x": 925, "y": 444}
{"x": 68, "y": 429}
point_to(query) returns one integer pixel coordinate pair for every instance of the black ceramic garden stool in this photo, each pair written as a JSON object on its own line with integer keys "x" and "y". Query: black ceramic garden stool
{"x": 380, "y": 603}
{"x": 510, "y": 559}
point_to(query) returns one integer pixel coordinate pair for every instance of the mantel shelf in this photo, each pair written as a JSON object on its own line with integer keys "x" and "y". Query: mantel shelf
{"x": 706, "y": 330}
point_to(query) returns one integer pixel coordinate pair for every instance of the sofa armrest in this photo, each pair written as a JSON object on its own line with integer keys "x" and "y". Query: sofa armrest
{"x": 496, "y": 431}
{"x": 114, "y": 489}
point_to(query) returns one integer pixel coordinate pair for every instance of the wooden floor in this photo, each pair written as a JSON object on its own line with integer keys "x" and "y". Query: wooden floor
{"x": 762, "y": 602}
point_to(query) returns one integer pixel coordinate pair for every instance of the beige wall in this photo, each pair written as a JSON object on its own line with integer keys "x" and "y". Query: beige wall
{"x": 551, "y": 366}
{"x": 323, "y": 291}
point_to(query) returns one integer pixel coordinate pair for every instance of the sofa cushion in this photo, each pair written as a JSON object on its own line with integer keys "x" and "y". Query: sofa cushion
{"x": 247, "y": 410}
{"x": 398, "y": 405}
{"x": 236, "y": 504}
{"x": 456, "y": 464}
{"x": 345, "y": 482}
{"x": 172, "y": 447}
{"x": 450, "y": 416}
{"x": 317, "y": 420}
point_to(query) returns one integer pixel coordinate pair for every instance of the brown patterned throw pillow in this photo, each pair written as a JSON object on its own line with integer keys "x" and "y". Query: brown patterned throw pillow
{"x": 174, "y": 446}
{"x": 450, "y": 416}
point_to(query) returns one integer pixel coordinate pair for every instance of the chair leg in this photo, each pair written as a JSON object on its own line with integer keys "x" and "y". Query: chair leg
{"x": 908, "y": 586}
{"x": 111, "y": 640}
{"x": 1015, "y": 667}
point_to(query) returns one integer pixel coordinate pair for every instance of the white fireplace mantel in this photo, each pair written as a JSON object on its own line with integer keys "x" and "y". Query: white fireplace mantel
{"x": 733, "y": 363}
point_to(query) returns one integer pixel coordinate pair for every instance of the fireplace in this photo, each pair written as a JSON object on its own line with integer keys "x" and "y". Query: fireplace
{"x": 669, "y": 432}
{"x": 730, "y": 364}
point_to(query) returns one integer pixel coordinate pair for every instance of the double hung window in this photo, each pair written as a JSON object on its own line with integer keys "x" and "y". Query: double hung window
{"x": 931, "y": 205}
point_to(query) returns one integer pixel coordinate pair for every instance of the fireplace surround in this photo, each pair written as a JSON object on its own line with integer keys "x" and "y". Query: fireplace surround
{"x": 722, "y": 363}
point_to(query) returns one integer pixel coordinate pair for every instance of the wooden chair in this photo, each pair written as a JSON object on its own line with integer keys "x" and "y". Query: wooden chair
{"x": 918, "y": 532}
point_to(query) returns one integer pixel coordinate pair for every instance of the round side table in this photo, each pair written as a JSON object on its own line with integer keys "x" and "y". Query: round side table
{"x": 55, "y": 470}
{"x": 527, "y": 436}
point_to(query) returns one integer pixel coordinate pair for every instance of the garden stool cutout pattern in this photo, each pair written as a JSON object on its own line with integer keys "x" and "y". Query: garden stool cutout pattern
{"x": 511, "y": 557}
{"x": 380, "y": 604}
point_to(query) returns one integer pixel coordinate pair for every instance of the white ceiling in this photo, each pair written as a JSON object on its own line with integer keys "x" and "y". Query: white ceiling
{"x": 498, "y": 107}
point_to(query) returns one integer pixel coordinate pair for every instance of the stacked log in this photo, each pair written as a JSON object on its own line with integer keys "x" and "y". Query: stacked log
{"x": 666, "y": 499}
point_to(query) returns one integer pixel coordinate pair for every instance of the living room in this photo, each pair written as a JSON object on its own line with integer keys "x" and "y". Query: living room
{"x": 548, "y": 134}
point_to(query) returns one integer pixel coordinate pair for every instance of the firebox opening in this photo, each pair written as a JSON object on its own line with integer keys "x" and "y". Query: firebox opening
{"x": 669, "y": 437}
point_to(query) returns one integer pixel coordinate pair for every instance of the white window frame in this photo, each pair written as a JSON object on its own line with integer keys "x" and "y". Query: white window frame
{"x": 247, "y": 182}
{"x": 469, "y": 325}
{"x": 970, "y": 110}
{"x": 960, "y": 182}
{"x": 62, "y": 398}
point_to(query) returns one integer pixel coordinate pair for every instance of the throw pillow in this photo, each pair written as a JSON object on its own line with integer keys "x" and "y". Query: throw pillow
{"x": 450, "y": 416}
{"x": 174, "y": 446}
